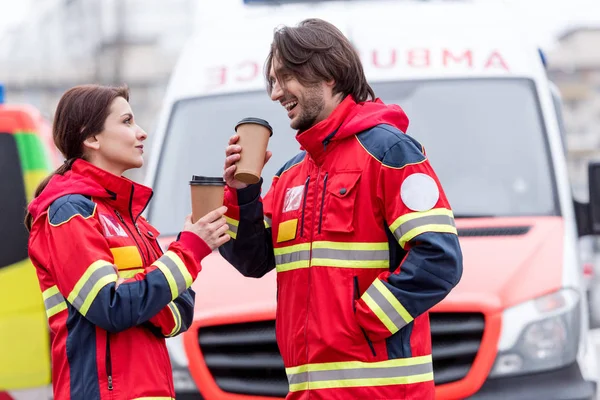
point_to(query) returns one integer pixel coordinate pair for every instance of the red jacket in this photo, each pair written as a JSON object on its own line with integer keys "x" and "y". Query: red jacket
{"x": 364, "y": 243}
{"x": 109, "y": 343}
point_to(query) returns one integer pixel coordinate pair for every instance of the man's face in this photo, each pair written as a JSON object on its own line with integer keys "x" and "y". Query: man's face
{"x": 305, "y": 105}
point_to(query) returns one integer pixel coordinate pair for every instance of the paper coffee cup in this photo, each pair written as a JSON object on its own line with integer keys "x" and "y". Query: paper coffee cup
{"x": 206, "y": 195}
{"x": 254, "y": 137}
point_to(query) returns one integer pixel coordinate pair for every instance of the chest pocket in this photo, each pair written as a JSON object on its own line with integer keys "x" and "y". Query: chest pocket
{"x": 340, "y": 201}
{"x": 151, "y": 235}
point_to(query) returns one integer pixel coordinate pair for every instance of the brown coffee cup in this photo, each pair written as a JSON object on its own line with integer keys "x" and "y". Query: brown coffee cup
{"x": 206, "y": 194}
{"x": 254, "y": 137}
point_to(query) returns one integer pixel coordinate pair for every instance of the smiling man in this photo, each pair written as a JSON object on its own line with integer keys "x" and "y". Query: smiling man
{"x": 357, "y": 226}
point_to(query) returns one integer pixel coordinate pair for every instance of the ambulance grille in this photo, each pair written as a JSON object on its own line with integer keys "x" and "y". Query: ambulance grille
{"x": 244, "y": 358}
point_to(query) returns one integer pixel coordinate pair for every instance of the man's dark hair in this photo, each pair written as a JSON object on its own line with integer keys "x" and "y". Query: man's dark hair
{"x": 317, "y": 51}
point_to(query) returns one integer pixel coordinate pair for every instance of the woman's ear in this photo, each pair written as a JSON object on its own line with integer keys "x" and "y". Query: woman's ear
{"x": 91, "y": 143}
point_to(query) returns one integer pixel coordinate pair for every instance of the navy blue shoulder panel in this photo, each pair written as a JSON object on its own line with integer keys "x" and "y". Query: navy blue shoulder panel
{"x": 296, "y": 160}
{"x": 391, "y": 147}
{"x": 66, "y": 207}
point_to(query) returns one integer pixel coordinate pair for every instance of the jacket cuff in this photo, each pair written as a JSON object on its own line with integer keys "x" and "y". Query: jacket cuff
{"x": 249, "y": 194}
{"x": 195, "y": 244}
{"x": 380, "y": 313}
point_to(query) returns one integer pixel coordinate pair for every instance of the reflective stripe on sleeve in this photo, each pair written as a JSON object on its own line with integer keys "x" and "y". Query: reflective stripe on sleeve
{"x": 177, "y": 275}
{"x": 176, "y": 318}
{"x": 54, "y": 302}
{"x": 386, "y": 306}
{"x": 409, "y": 226}
{"x": 233, "y": 227}
{"x": 98, "y": 274}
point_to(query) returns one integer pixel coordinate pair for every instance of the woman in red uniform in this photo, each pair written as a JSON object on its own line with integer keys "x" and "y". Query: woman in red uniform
{"x": 111, "y": 294}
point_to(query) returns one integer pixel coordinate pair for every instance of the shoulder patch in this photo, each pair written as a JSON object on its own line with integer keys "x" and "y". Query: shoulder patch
{"x": 297, "y": 159}
{"x": 66, "y": 207}
{"x": 391, "y": 147}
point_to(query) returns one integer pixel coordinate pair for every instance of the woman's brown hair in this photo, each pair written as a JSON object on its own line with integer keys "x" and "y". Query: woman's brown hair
{"x": 317, "y": 51}
{"x": 81, "y": 113}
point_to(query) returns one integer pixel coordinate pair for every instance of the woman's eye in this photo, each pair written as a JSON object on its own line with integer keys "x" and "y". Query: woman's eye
{"x": 128, "y": 121}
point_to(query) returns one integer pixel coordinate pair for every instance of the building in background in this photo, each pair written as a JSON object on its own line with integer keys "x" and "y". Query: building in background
{"x": 574, "y": 65}
{"x": 63, "y": 43}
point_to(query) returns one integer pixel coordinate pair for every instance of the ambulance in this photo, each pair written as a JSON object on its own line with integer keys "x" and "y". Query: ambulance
{"x": 479, "y": 100}
{"x": 27, "y": 155}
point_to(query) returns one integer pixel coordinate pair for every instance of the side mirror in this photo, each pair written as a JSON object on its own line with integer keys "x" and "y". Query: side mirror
{"x": 588, "y": 214}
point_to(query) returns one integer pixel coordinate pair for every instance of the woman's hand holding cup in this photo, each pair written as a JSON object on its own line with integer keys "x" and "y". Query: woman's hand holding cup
{"x": 212, "y": 228}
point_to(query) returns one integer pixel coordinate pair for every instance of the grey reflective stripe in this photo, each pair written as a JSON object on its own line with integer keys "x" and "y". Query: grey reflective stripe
{"x": 386, "y": 307}
{"x": 361, "y": 373}
{"x": 87, "y": 287}
{"x": 233, "y": 228}
{"x": 177, "y": 275}
{"x": 176, "y": 316}
{"x": 292, "y": 257}
{"x": 53, "y": 301}
{"x": 359, "y": 255}
{"x": 268, "y": 221}
{"x": 426, "y": 220}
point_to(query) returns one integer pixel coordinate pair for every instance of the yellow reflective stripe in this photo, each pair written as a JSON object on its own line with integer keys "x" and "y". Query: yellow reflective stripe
{"x": 54, "y": 302}
{"x": 327, "y": 262}
{"x": 126, "y": 257}
{"x": 233, "y": 227}
{"x": 386, "y": 306}
{"x": 409, "y": 226}
{"x": 292, "y": 257}
{"x": 427, "y": 228}
{"x": 99, "y": 274}
{"x": 174, "y": 270}
{"x": 130, "y": 273}
{"x": 351, "y": 246}
{"x": 397, "y": 362}
{"x": 351, "y": 255}
{"x": 401, "y": 380}
{"x": 356, "y": 373}
{"x": 379, "y": 312}
{"x": 51, "y": 291}
{"x": 176, "y": 319}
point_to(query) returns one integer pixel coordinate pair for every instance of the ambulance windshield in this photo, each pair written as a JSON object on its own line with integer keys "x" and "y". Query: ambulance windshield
{"x": 485, "y": 139}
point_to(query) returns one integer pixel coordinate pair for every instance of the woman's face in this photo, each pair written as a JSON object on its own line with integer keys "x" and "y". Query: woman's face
{"x": 119, "y": 147}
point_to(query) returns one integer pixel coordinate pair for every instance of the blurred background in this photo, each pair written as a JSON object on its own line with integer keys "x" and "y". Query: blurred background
{"x": 48, "y": 46}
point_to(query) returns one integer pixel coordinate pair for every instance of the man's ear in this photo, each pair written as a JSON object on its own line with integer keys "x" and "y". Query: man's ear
{"x": 91, "y": 143}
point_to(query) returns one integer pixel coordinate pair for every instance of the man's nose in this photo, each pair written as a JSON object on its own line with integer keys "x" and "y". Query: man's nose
{"x": 276, "y": 92}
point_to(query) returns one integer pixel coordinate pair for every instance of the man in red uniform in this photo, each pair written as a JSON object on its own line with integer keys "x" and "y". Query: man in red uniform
{"x": 357, "y": 226}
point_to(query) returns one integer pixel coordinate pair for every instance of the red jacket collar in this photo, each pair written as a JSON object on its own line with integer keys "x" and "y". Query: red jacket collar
{"x": 121, "y": 193}
{"x": 316, "y": 139}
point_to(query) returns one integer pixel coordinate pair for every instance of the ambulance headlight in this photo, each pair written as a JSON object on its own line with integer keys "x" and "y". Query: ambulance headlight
{"x": 541, "y": 334}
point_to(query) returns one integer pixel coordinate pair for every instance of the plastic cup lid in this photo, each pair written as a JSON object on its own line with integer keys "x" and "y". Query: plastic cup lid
{"x": 253, "y": 120}
{"x": 206, "y": 180}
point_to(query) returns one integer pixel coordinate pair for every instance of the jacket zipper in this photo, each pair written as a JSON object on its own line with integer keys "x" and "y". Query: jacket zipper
{"x": 135, "y": 221}
{"x": 356, "y": 297}
{"x": 304, "y": 205}
{"x": 108, "y": 363}
{"x": 323, "y": 201}
{"x": 133, "y": 237}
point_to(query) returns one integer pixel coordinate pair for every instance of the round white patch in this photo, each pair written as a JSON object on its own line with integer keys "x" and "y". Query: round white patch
{"x": 419, "y": 192}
